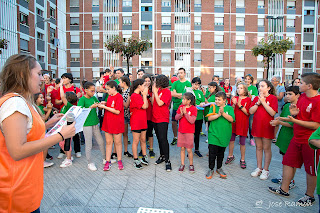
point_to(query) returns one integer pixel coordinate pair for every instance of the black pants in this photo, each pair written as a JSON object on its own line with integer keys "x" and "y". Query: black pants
{"x": 76, "y": 143}
{"x": 198, "y": 125}
{"x": 149, "y": 130}
{"x": 100, "y": 114}
{"x": 161, "y": 130}
{"x": 216, "y": 152}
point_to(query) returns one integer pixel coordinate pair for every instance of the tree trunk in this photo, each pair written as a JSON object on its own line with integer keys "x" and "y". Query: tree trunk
{"x": 268, "y": 62}
{"x": 128, "y": 65}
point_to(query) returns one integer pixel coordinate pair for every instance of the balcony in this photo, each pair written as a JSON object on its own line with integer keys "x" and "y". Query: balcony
{"x": 41, "y": 2}
{"x": 74, "y": 45}
{"x": 40, "y": 45}
{"x": 308, "y": 19}
{"x": 24, "y": 4}
{"x": 146, "y": 34}
{"x": 307, "y": 55}
{"x": 146, "y": 16}
{"x": 308, "y": 37}
{"x": 219, "y": 9}
{"x": 24, "y": 29}
{"x": 166, "y": 45}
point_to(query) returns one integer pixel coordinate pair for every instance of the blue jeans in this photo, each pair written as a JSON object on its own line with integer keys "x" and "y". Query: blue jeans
{"x": 36, "y": 211}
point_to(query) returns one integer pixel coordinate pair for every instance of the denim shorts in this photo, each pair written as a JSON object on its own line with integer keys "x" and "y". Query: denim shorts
{"x": 126, "y": 120}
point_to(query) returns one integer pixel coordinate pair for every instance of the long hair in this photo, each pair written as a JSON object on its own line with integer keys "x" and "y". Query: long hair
{"x": 190, "y": 96}
{"x": 151, "y": 81}
{"x": 214, "y": 84}
{"x": 135, "y": 85}
{"x": 245, "y": 87}
{"x": 272, "y": 90}
{"x": 114, "y": 84}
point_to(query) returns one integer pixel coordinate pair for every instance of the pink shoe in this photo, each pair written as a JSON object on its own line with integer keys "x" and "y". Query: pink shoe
{"x": 120, "y": 165}
{"x": 252, "y": 143}
{"x": 107, "y": 166}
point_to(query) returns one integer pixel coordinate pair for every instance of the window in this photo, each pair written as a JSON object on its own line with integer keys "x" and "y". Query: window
{"x": 239, "y": 39}
{"x": 197, "y": 38}
{"x": 218, "y": 38}
{"x": 95, "y": 38}
{"x": 95, "y": 57}
{"x": 218, "y": 3}
{"x": 146, "y": 8}
{"x": 95, "y": 21}
{"x": 308, "y": 30}
{"x": 239, "y": 21}
{"x": 74, "y": 20}
{"x": 260, "y": 22}
{"x": 307, "y": 47}
{"x": 166, "y": 3}
{"x": 95, "y": 3}
{"x": 166, "y": 20}
{"x": 309, "y": 12}
{"x": 218, "y": 21}
{"x": 40, "y": 58}
{"x": 166, "y": 57}
{"x": 127, "y": 20}
{"x": 166, "y": 38}
{"x": 53, "y": 54}
{"x": 75, "y": 57}
{"x": 260, "y": 58}
{"x": 74, "y": 3}
{"x": 40, "y": 35}
{"x": 239, "y": 57}
{"x": 146, "y": 63}
{"x": 289, "y": 58}
{"x": 75, "y": 38}
{"x": 52, "y": 33}
{"x": 52, "y": 13}
{"x": 240, "y": 4}
{"x": 290, "y": 23}
{"x": 218, "y": 57}
{"x": 24, "y": 45}
{"x": 291, "y": 4}
{"x": 197, "y": 3}
{"x": 260, "y": 3}
{"x": 259, "y": 38}
{"x": 24, "y": 19}
{"x": 127, "y": 3}
{"x": 197, "y": 57}
{"x": 197, "y": 20}
{"x": 39, "y": 12}
{"x": 291, "y": 38}
{"x": 307, "y": 65}
{"x": 146, "y": 27}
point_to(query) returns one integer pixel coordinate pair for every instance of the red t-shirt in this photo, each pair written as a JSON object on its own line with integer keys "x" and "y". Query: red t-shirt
{"x": 228, "y": 89}
{"x": 309, "y": 110}
{"x": 184, "y": 125}
{"x": 71, "y": 89}
{"x": 106, "y": 79}
{"x": 112, "y": 123}
{"x": 55, "y": 95}
{"x": 45, "y": 93}
{"x": 161, "y": 114}
{"x": 149, "y": 109}
{"x": 138, "y": 118}
{"x": 261, "y": 119}
{"x": 241, "y": 126}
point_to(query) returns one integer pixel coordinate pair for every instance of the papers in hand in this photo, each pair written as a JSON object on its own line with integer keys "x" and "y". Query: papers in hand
{"x": 80, "y": 115}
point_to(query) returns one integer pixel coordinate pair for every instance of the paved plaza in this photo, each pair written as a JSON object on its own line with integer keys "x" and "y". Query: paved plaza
{"x": 77, "y": 189}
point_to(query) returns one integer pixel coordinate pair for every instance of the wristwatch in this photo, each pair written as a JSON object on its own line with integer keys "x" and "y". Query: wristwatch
{"x": 240, "y": 107}
{"x": 257, "y": 104}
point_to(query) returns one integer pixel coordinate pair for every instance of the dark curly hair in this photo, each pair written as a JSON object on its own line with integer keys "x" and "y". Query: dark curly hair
{"x": 151, "y": 80}
{"x": 162, "y": 81}
{"x": 272, "y": 91}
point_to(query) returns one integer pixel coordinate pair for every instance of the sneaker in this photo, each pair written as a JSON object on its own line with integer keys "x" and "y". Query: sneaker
{"x": 191, "y": 169}
{"x": 252, "y": 143}
{"x": 145, "y": 160}
{"x": 277, "y": 180}
{"x": 148, "y": 145}
{"x": 203, "y": 134}
{"x": 92, "y": 167}
{"x": 256, "y": 172}
{"x": 174, "y": 141}
{"x": 47, "y": 164}
{"x": 243, "y": 164}
{"x": 221, "y": 173}
{"x": 140, "y": 154}
{"x": 306, "y": 201}
{"x": 181, "y": 168}
{"x": 168, "y": 166}
{"x": 197, "y": 153}
{"x": 152, "y": 154}
{"x": 120, "y": 165}
{"x": 114, "y": 156}
{"x": 160, "y": 160}
{"x": 292, "y": 185}
{"x": 230, "y": 159}
{"x": 137, "y": 164}
{"x": 66, "y": 163}
{"x": 264, "y": 175}
{"x": 104, "y": 161}
{"x": 207, "y": 141}
{"x": 278, "y": 191}
{"x": 128, "y": 154}
{"x": 107, "y": 166}
{"x": 60, "y": 156}
{"x": 209, "y": 174}
{"x": 78, "y": 154}
{"x": 113, "y": 160}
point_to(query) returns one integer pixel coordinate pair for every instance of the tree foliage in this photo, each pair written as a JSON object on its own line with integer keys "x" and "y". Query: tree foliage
{"x": 3, "y": 44}
{"x": 133, "y": 46}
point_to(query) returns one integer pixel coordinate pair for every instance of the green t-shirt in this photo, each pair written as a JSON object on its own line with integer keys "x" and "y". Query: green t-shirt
{"x": 41, "y": 108}
{"x": 65, "y": 108}
{"x": 179, "y": 87}
{"x": 92, "y": 118}
{"x": 253, "y": 90}
{"x": 199, "y": 99}
{"x": 211, "y": 99}
{"x": 220, "y": 130}
{"x": 117, "y": 81}
{"x": 316, "y": 136}
{"x": 286, "y": 133}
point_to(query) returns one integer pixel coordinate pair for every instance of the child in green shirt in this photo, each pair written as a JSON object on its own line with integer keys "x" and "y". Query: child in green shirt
{"x": 39, "y": 99}
{"x": 220, "y": 132}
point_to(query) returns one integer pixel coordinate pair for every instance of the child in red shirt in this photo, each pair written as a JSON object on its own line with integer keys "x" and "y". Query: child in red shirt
{"x": 138, "y": 120}
{"x": 113, "y": 123}
{"x": 264, "y": 107}
{"x": 305, "y": 117}
{"x": 228, "y": 89}
{"x": 187, "y": 115}
{"x": 241, "y": 105}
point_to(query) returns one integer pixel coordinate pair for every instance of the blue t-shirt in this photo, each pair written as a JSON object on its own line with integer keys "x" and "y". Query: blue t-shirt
{"x": 279, "y": 89}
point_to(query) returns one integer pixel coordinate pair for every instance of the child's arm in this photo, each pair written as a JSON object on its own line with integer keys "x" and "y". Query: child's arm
{"x": 191, "y": 118}
{"x": 145, "y": 98}
{"x": 178, "y": 116}
{"x": 315, "y": 142}
{"x": 47, "y": 110}
{"x": 228, "y": 117}
{"x": 305, "y": 124}
{"x": 62, "y": 95}
{"x": 268, "y": 108}
{"x": 156, "y": 96}
{"x": 127, "y": 103}
{"x": 214, "y": 117}
{"x": 277, "y": 122}
{"x": 114, "y": 111}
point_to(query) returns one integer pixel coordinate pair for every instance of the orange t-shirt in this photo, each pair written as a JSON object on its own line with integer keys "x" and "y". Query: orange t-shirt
{"x": 21, "y": 182}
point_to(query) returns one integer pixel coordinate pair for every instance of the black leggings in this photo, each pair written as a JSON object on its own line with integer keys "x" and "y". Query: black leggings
{"x": 216, "y": 152}
{"x": 198, "y": 125}
{"x": 161, "y": 130}
{"x": 76, "y": 143}
{"x": 149, "y": 130}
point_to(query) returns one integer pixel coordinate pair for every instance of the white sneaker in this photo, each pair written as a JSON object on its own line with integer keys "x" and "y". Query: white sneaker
{"x": 256, "y": 172}
{"x": 104, "y": 161}
{"x": 47, "y": 164}
{"x": 264, "y": 175}
{"x": 78, "y": 154}
{"x": 113, "y": 160}
{"x": 92, "y": 167}
{"x": 66, "y": 163}
{"x": 60, "y": 156}
{"x": 207, "y": 141}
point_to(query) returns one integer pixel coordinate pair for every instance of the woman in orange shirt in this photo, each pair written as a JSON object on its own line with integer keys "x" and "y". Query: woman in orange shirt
{"x": 21, "y": 157}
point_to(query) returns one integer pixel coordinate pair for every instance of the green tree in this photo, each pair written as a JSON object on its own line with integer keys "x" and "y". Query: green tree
{"x": 269, "y": 48}
{"x": 3, "y": 44}
{"x": 132, "y": 47}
